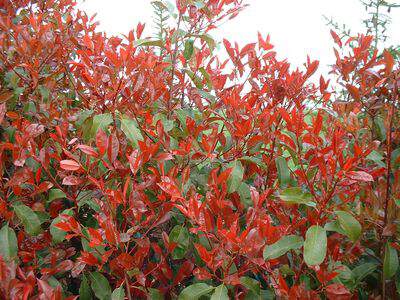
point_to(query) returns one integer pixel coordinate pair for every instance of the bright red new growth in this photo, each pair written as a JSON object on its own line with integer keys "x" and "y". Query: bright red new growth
{"x": 150, "y": 167}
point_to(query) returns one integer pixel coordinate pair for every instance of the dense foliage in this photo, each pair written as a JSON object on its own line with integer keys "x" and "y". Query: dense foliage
{"x": 137, "y": 167}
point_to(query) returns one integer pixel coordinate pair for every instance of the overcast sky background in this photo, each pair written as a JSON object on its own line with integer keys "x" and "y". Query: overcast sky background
{"x": 297, "y": 28}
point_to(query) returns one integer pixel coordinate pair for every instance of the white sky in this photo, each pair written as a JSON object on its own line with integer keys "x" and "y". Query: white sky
{"x": 297, "y": 28}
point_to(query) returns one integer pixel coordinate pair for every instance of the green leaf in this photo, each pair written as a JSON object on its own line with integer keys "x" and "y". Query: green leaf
{"x": 390, "y": 262}
{"x": 100, "y": 121}
{"x": 195, "y": 291}
{"x": 28, "y": 218}
{"x": 283, "y": 171}
{"x": 380, "y": 128}
{"x": 8, "y": 243}
{"x": 296, "y": 196}
{"x": 118, "y": 294}
{"x": 131, "y": 130}
{"x": 155, "y": 294}
{"x": 55, "y": 194}
{"x": 362, "y": 271}
{"x": 85, "y": 293}
{"x": 334, "y": 226}
{"x": 244, "y": 193}
{"x": 376, "y": 157}
{"x": 236, "y": 176}
{"x": 285, "y": 244}
{"x": 251, "y": 284}
{"x": 188, "y": 52}
{"x": 220, "y": 293}
{"x": 209, "y": 40}
{"x": 350, "y": 225}
{"x": 180, "y": 236}
{"x": 100, "y": 286}
{"x": 315, "y": 245}
{"x": 148, "y": 42}
{"x": 57, "y": 234}
{"x": 196, "y": 79}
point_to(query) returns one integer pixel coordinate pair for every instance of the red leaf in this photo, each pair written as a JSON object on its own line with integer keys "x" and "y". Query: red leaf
{"x": 69, "y": 165}
{"x": 354, "y": 92}
{"x": 101, "y": 141}
{"x": 336, "y": 38}
{"x": 2, "y": 112}
{"x": 360, "y": 176}
{"x": 168, "y": 186}
{"x": 337, "y": 291}
{"x": 389, "y": 61}
{"x": 71, "y": 180}
{"x": 88, "y": 150}
{"x": 113, "y": 148}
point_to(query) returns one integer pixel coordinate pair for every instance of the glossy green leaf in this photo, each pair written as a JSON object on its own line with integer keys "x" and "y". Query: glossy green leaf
{"x": 118, "y": 294}
{"x": 28, "y": 218}
{"x": 57, "y": 234}
{"x": 236, "y": 176}
{"x": 315, "y": 245}
{"x": 296, "y": 196}
{"x": 380, "y": 128}
{"x": 220, "y": 293}
{"x": 100, "y": 286}
{"x": 179, "y": 235}
{"x": 209, "y": 40}
{"x": 188, "y": 51}
{"x": 8, "y": 243}
{"x": 100, "y": 121}
{"x": 350, "y": 225}
{"x": 55, "y": 194}
{"x": 362, "y": 271}
{"x": 390, "y": 262}
{"x": 85, "y": 292}
{"x": 283, "y": 245}
{"x": 195, "y": 291}
{"x": 155, "y": 294}
{"x": 148, "y": 42}
{"x": 131, "y": 130}
{"x": 251, "y": 284}
{"x": 334, "y": 226}
{"x": 283, "y": 171}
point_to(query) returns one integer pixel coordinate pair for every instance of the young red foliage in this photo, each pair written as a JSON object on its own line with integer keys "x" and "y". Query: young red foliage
{"x": 142, "y": 167}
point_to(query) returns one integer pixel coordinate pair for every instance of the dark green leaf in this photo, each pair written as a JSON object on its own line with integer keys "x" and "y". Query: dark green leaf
{"x": 180, "y": 236}
{"x": 57, "y": 234}
{"x": 350, "y": 225}
{"x": 55, "y": 194}
{"x": 251, "y": 284}
{"x": 100, "y": 121}
{"x": 131, "y": 130}
{"x": 236, "y": 176}
{"x": 100, "y": 286}
{"x": 362, "y": 271}
{"x": 85, "y": 293}
{"x": 390, "y": 262}
{"x": 28, "y": 218}
{"x": 283, "y": 171}
{"x": 285, "y": 244}
{"x": 188, "y": 52}
{"x": 195, "y": 291}
{"x": 155, "y": 294}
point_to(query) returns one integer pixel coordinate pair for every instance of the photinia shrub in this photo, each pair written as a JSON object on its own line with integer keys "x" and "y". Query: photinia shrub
{"x": 151, "y": 168}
